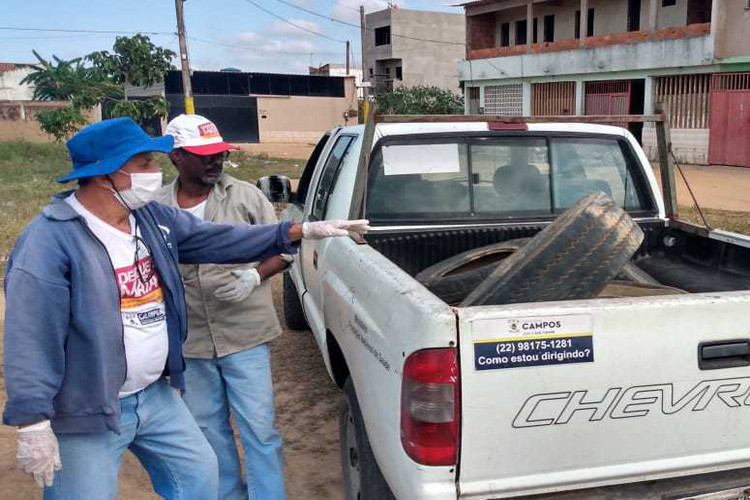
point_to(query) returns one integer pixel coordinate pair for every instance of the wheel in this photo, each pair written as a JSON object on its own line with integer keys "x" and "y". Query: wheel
{"x": 454, "y": 278}
{"x": 293, "y": 314}
{"x": 572, "y": 258}
{"x": 362, "y": 477}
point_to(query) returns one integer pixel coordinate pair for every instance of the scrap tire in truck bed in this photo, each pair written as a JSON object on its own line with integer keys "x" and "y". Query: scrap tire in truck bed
{"x": 454, "y": 278}
{"x": 572, "y": 258}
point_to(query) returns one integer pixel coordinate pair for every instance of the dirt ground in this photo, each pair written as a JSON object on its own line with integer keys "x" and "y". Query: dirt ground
{"x": 715, "y": 186}
{"x": 307, "y": 416}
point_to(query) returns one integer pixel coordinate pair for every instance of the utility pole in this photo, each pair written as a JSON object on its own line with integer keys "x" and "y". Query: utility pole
{"x": 363, "y": 41}
{"x": 187, "y": 88}
{"x": 347, "y": 58}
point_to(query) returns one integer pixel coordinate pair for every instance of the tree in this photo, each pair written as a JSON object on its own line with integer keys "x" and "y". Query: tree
{"x": 138, "y": 62}
{"x": 60, "y": 80}
{"x": 420, "y": 100}
{"x": 135, "y": 61}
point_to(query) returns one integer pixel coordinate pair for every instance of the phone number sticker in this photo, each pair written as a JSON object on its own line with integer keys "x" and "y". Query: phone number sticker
{"x": 533, "y": 341}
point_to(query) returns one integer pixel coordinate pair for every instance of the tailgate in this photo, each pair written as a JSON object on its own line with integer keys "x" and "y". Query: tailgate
{"x": 568, "y": 395}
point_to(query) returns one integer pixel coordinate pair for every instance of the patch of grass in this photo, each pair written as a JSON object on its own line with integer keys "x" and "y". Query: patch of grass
{"x": 728, "y": 220}
{"x": 28, "y": 172}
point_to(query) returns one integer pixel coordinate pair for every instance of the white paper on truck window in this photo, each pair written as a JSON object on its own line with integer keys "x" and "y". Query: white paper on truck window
{"x": 421, "y": 159}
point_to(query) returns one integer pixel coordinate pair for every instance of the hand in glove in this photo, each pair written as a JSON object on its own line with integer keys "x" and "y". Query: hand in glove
{"x": 237, "y": 291}
{"x": 328, "y": 228}
{"x": 38, "y": 453}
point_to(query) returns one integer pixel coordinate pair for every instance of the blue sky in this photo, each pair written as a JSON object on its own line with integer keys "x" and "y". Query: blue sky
{"x": 260, "y": 42}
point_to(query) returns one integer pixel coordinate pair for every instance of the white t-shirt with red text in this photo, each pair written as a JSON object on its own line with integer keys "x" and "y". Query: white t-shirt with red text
{"x": 141, "y": 304}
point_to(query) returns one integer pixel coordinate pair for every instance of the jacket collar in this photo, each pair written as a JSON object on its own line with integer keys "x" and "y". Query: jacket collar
{"x": 58, "y": 209}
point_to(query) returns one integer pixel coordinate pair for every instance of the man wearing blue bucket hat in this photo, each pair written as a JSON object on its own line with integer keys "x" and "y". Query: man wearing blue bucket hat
{"x": 95, "y": 320}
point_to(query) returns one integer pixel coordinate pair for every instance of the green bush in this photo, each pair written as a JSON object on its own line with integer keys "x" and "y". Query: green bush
{"x": 420, "y": 100}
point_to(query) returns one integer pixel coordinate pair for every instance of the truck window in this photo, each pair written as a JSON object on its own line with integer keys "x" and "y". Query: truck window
{"x": 583, "y": 165}
{"x": 329, "y": 175}
{"x": 511, "y": 176}
{"x": 491, "y": 177}
{"x": 304, "y": 182}
{"x": 420, "y": 179}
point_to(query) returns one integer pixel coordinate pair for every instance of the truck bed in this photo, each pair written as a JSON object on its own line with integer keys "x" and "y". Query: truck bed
{"x": 693, "y": 263}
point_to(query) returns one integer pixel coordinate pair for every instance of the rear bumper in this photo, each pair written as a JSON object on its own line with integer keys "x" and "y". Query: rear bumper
{"x": 665, "y": 489}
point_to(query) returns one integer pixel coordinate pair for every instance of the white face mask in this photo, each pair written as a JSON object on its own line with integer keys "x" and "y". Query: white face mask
{"x": 143, "y": 186}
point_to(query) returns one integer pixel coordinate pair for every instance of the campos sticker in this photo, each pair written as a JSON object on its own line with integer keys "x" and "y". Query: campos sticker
{"x": 532, "y": 341}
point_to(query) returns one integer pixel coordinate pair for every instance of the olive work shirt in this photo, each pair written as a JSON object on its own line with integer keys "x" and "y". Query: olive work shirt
{"x": 219, "y": 328}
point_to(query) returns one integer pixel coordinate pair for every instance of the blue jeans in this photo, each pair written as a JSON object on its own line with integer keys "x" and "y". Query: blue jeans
{"x": 157, "y": 427}
{"x": 241, "y": 381}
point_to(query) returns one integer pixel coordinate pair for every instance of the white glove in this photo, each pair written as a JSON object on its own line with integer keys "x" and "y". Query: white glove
{"x": 38, "y": 453}
{"x": 239, "y": 289}
{"x": 328, "y": 228}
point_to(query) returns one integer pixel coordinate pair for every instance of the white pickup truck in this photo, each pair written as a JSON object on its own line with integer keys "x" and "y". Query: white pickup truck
{"x": 625, "y": 397}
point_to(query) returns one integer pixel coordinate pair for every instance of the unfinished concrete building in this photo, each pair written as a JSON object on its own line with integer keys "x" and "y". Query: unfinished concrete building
{"x": 542, "y": 57}
{"x": 402, "y": 47}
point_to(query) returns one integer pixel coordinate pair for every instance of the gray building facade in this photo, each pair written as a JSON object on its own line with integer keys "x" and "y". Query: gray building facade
{"x": 402, "y": 47}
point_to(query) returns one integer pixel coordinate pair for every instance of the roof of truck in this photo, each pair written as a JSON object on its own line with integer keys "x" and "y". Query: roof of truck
{"x": 389, "y": 129}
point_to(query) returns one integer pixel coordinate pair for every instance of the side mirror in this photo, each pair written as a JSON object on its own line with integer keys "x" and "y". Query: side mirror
{"x": 277, "y": 188}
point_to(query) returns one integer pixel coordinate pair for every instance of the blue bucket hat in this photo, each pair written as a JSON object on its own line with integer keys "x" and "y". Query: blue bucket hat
{"x": 104, "y": 147}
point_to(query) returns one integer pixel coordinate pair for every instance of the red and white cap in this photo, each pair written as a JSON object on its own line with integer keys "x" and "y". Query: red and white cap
{"x": 198, "y": 135}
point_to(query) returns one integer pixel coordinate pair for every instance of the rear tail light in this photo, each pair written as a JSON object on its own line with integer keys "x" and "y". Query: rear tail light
{"x": 431, "y": 406}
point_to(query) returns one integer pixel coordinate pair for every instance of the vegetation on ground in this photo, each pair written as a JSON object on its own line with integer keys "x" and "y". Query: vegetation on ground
{"x": 420, "y": 100}
{"x": 28, "y": 172}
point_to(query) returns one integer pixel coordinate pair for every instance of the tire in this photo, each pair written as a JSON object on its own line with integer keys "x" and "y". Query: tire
{"x": 570, "y": 259}
{"x": 294, "y": 316}
{"x": 362, "y": 477}
{"x": 454, "y": 278}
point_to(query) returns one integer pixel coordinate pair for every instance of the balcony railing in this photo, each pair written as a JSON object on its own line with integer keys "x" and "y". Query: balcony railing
{"x": 689, "y": 31}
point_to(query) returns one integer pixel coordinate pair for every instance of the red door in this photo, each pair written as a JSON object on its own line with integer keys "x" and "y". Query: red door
{"x": 608, "y": 98}
{"x": 729, "y": 142}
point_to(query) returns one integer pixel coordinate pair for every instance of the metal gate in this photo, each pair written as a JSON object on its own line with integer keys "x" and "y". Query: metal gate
{"x": 235, "y": 116}
{"x": 608, "y": 98}
{"x": 729, "y": 142}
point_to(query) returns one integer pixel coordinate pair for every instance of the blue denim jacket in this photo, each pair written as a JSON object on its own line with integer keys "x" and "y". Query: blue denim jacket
{"x": 64, "y": 350}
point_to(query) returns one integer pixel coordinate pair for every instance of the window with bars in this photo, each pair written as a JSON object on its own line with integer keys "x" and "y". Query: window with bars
{"x": 505, "y": 100}
{"x": 688, "y": 97}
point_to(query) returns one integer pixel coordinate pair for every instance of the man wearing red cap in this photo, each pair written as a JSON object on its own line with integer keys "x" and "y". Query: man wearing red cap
{"x": 96, "y": 318}
{"x": 231, "y": 318}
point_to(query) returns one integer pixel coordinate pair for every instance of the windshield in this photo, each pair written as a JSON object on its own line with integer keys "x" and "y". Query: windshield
{"x": 501, "y": 177}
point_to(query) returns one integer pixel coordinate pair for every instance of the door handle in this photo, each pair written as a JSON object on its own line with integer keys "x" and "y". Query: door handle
{"x": 315, "y": 260}
{"x": 724, "y": 354}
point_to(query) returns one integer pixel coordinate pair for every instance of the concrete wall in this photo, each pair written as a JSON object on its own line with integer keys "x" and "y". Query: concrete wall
{"x": 671, "y": 17}
{"x": 697, "y": 51}
{"x": 733, "y": 33}
{"x": 423, "y": 63}
{"x": 18, "y": 119}
{"x": 11, "y": 88}
{"x": 689, "y": 145}
{"x": 304, "y": 119}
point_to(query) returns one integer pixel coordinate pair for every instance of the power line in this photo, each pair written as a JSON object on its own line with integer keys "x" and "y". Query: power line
{"x": 347, "y": 23}
{"x": 270, "y": 13}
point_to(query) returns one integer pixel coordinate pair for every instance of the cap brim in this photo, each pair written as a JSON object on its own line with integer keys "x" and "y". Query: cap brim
{"x": 163, "y": 144}
{"x": 210, "y": 149}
